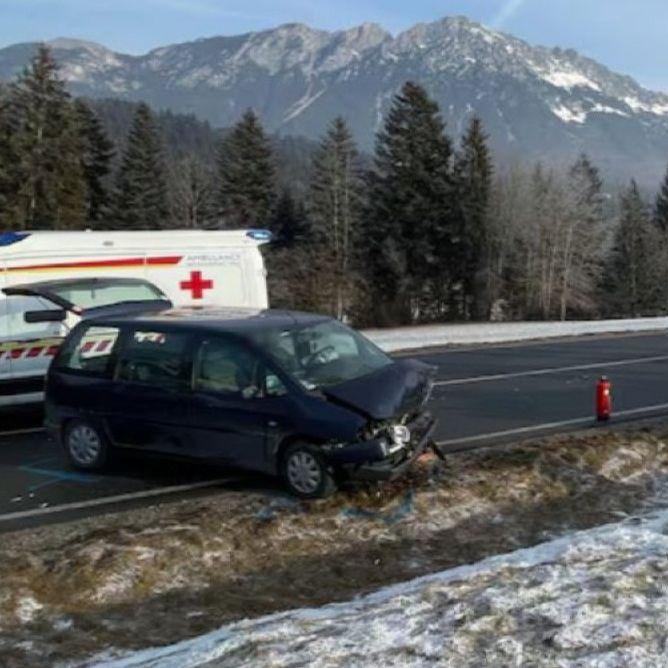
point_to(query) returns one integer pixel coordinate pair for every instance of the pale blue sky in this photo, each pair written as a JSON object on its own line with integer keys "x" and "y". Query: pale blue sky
{"x": 630, "y": 36}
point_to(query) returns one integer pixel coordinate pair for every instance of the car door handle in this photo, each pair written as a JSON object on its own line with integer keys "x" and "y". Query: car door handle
{"x": 272, "y": 424}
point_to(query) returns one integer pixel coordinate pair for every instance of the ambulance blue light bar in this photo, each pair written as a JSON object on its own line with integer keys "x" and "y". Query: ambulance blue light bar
{"x": 260, "y": 235}
{"x": 9, "y": 238}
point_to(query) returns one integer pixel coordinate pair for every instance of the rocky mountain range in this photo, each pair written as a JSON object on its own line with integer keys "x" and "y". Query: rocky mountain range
{"x": 537, "y": 103}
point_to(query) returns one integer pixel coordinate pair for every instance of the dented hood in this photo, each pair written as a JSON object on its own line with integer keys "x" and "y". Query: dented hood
{"x": 389, "y": 392}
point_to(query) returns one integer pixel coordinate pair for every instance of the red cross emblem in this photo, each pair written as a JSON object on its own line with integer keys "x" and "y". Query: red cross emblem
{"x": 197, "y": 285}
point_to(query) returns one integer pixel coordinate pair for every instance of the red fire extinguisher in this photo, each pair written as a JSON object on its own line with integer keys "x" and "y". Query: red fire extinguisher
{"x": 603, "y": 399}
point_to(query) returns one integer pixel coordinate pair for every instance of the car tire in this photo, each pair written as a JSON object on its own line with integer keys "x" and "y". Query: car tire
{"x": 306, "y": 472}
{"x": 85, "y": 445}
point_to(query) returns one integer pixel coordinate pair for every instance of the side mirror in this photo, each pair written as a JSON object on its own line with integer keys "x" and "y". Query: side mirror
{"x": 47, "y": 315}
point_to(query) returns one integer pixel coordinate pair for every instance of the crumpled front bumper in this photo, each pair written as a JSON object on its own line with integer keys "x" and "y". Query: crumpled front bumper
{"x": 369, "y": 460}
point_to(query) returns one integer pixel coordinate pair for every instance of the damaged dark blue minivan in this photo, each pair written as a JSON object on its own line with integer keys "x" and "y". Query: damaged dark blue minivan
{"x": 290, "y": 394}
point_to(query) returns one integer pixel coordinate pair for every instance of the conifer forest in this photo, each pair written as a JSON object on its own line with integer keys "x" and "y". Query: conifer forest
{"x": 430, "y": 228}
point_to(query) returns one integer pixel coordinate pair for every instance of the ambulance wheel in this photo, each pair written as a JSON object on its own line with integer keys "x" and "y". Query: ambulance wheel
{"x": 86, "y": 446}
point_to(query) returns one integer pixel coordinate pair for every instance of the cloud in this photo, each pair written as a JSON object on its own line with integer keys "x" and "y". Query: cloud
{"x": 507, "y": 11}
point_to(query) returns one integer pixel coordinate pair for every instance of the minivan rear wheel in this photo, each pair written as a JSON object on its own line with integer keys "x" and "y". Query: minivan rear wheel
{"x": 306, "y": 473}
{"x": 85, "y": 446}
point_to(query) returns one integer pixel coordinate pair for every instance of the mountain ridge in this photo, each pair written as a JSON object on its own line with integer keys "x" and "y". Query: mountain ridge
{"x": 538, "y": 103}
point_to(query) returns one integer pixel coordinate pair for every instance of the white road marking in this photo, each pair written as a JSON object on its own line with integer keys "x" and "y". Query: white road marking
{"x": 21, "y": 399}
{"x": 552, "y": 425}
{"x": 120, "y": 498}
{"x": 549, "y": 371}
{"x": 22, "y": 432}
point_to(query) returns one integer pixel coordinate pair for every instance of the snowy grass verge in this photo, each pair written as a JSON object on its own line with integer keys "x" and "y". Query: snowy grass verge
{"x": 595, "y": 598}
{"x": 427, "y": 336}
{"x": 153, "y": 576}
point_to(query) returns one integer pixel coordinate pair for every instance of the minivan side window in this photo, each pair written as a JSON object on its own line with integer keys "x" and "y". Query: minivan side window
{"x": 227, "y": 367}
{"x": 154, "y": 358}
{"x": 91, "y": 352}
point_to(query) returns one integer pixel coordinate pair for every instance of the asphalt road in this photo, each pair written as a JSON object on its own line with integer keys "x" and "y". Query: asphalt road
{"x": 482, "y": 396}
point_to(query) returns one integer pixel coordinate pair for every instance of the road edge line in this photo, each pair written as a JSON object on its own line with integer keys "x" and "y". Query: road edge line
{"x": 108, "y": 500}
{"x": 552, "y": 425}
{"x": 548, "y": 371}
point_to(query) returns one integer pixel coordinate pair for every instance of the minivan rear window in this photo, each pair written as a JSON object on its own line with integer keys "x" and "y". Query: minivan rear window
{"x": 91, "y": 351}
{"x": 154, "y": 358}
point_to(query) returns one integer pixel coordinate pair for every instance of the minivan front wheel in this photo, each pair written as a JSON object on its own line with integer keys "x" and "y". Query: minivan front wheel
{"x": 85, "y": 446}
{"x": 306, "y": 472}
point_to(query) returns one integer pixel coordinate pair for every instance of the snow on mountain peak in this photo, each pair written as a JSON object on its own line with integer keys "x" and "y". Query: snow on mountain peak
{"x": 72, "y": 44}
{"x": 85, "y": 60}
{"x": 448, "y": 47}
{"x": 532, "y": 99}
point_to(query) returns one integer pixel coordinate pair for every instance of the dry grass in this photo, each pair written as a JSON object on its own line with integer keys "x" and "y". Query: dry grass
{"x": 154, "y": 575}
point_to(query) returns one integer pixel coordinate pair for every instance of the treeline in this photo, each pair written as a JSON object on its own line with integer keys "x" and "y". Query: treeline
{"x": 429, "y": 231}
{"x": 114, "y": 144}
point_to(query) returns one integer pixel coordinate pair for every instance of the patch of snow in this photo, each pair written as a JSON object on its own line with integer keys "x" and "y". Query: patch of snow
{"x": 569, "y": 115}
{"x": 603, "y": 109}
{"x": 635, "y": 104}
{"x": 196, "y": 76}
{"x": 599, "y": 595}
{"x": 488, "y": 36}
{"x": 380, "y": 99}
{"x": 567, "y": 79}
{"x": 63, "y": 624}
{"x": 303, "y": 104}
{"x": 659, "y": 109}
{"x": 73, "y": 72}
{"x": 27, "y": 609}
{"x": 118, "y": 85}
{"x": 423, "y": 336}
{"x": 101, "y": 53}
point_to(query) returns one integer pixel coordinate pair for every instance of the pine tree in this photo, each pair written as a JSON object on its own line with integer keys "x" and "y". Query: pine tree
{"x": 661, "y": 209}
{"x": 140, "y": 201}
{"x": 50, "y": 188}
{"x": 409, "y": 231}
{"x": 246, "y": 176}
{"x": 630, "y": 281}
{"x": 335, "y": 205}
{"x": 7, "y": 161}
{"x": 473, "y": 174}
{"x": 289, "y": 223}
{"x": 98, "y": 152}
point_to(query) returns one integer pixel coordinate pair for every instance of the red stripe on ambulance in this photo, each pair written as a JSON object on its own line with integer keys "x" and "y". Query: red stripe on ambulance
{"x": 101, "y": 264}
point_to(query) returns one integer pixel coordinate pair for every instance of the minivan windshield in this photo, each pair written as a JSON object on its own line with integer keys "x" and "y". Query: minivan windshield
{"x": 322, "y": 355}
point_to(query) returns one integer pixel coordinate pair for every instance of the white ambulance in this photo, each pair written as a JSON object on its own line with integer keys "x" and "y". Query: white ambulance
{"x": 49, "y": 280}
